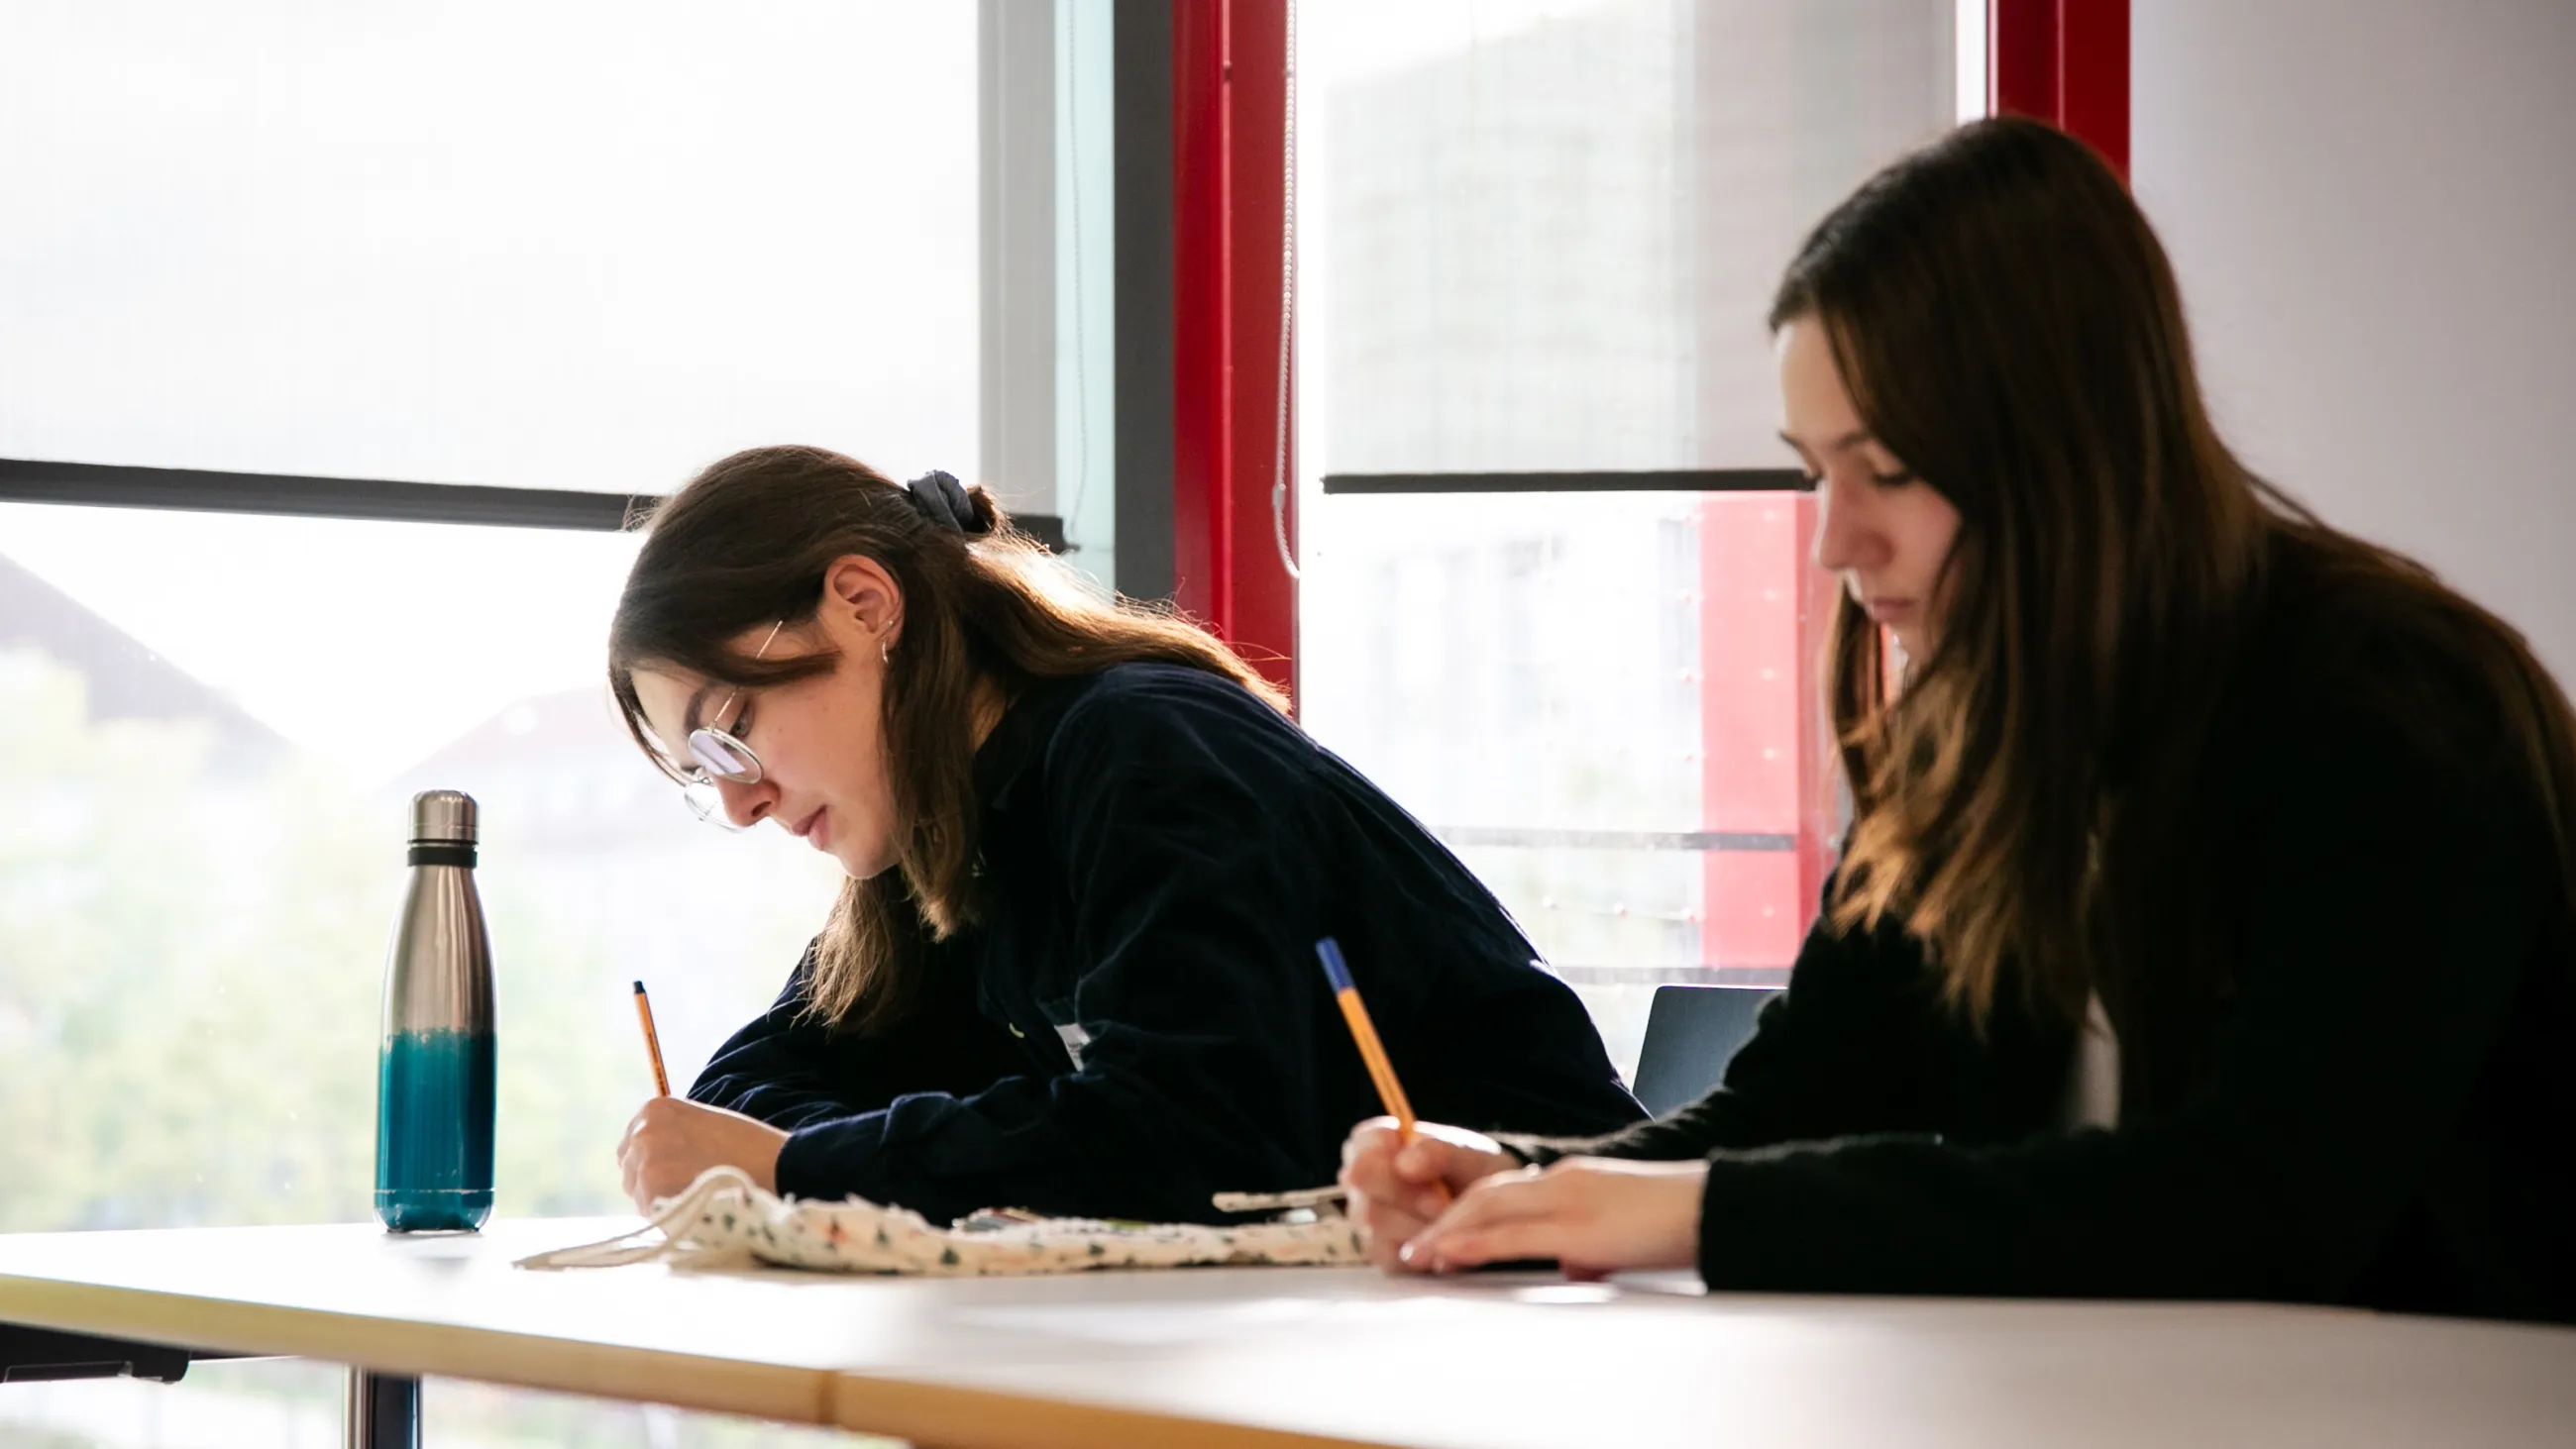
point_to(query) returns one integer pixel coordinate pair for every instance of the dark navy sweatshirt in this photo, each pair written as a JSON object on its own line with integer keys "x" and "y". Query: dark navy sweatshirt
{"x": 1136, "y": 1019}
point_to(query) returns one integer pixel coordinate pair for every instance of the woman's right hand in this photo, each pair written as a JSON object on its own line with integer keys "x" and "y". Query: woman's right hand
{"x": 1396, "y": 1187}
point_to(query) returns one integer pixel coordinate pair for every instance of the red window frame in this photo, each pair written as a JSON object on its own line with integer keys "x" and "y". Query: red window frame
{"x": 1767, "y": 759}
{"x": 2065, "y": 62}
{"x": 1229, "y": 222}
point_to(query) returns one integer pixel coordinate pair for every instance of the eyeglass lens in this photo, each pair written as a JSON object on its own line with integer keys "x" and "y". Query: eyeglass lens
{"x": 723, "y": 756}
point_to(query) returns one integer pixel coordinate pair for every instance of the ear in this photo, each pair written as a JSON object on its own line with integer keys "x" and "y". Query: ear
{"x": 858, "y": 590}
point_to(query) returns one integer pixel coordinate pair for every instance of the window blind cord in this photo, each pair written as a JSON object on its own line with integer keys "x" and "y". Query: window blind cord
{"x": 1287, "y": 299}
{"x": 1081, "y": 299}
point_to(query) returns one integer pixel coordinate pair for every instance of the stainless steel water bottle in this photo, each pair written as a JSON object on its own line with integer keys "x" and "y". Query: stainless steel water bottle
{"x": 434, "y": 1094}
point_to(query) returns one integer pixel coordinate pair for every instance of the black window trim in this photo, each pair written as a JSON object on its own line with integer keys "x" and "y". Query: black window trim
{"x": 295, "y": 495}
{"x": 1668, "y": 480}
{"x": 200, "y": 490}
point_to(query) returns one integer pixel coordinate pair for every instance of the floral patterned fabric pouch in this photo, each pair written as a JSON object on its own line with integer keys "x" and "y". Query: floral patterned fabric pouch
{"x": 724, "y": 1219}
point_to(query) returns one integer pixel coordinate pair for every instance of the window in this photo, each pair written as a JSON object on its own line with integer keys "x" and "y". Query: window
{"x": 1539, "y": 239}
{"x": 586, "y": 248}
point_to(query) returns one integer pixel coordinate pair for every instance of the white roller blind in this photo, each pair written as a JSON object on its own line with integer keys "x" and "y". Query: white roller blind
{"x": 558, "y": 245}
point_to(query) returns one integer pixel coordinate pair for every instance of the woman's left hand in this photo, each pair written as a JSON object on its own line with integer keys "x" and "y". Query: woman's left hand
{"x": 1594, "y": 1215}
{"x": 673, "y": 1139}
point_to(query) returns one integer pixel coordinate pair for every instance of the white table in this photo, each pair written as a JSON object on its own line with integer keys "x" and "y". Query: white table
{"x": 1302, "y": 1356}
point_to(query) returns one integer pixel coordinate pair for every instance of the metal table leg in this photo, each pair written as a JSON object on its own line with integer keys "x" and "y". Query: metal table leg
{"x": 384, "y": 1411}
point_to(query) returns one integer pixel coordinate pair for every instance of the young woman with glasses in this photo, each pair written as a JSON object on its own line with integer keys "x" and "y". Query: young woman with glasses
{"x": 1073, "y": 967}
{"x": 2204, "y": 926}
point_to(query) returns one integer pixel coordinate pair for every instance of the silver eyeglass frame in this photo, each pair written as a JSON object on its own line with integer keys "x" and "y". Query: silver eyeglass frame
{"x": 721, "y": 755}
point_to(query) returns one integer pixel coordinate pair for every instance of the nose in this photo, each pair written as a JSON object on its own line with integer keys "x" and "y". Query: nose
{"x": 1846, "y": 540}
{"x": 747, "y": 805}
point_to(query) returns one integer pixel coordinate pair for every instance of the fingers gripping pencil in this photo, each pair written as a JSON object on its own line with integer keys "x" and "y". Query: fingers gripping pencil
{"x": 1372, "y": 1051}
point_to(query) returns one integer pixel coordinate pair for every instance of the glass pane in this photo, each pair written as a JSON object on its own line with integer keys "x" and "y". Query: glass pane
{"x": 1542, "y": 236}
{"x": 587, "y": 246}
{"x": 218, "y": 724}
{"x": 569, "y": 246}
{"x": 1599, "y": 702}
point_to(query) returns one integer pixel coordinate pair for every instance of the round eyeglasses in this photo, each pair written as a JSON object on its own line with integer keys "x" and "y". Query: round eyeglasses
{"x": 721, "y": 755}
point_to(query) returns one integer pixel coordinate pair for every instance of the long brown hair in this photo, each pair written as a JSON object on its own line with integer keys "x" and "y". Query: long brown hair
{"x": 2009, "y": 326}
{"x": 748, "y": 542}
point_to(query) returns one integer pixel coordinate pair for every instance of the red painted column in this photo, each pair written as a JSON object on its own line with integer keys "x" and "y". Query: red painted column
{"x": 1229, "y": 103}
{"x": 2065, "y": 62}
{"x": 1819, "y": 759}
{"x": 1753, "y": 766}
{"x": 2093, "y": 75}
{"x": 1766, "y": 751}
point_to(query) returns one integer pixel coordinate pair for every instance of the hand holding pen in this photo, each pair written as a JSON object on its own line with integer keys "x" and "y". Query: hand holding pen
{"x": 1400, "y": 1173}
{"x": 1364, "y": 1032}
{"x": 670, "y": 1140}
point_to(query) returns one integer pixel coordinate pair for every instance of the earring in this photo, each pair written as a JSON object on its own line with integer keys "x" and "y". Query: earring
{"x": 885, "y": 647}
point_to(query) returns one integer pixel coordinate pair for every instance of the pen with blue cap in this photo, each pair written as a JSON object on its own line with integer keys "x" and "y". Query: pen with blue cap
{"x": 1372, "y": 1051}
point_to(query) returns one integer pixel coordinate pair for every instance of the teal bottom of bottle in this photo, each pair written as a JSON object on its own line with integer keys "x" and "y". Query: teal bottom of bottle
{"x": 434, "y": 1131}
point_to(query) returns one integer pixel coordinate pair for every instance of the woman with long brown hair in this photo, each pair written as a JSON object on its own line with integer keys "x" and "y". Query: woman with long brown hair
{"x": 1089, "y": 856}
{"x": 2207, "y": 921}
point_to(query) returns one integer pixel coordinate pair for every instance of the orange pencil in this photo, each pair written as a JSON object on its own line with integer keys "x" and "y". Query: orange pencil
{"x": 1372, "y": 1051}
{"x": 652, "y": 1040}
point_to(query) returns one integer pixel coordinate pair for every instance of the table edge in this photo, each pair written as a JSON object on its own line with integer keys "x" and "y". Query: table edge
{"x": 414, "y": 1347}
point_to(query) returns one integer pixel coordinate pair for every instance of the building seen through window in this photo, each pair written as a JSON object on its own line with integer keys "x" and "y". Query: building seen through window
{"x": 1541, "y": 238}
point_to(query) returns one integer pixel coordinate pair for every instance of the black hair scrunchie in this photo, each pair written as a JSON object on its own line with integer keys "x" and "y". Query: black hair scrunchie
{"x": 942, "y": 499}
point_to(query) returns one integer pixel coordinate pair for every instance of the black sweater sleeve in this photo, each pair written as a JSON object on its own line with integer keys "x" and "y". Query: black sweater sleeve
{"x": 1843, "y": 1050}
{"x": 788, "y": 1070}
{"x": 780, "y": 1068}
{"x": 2395, "y": 911}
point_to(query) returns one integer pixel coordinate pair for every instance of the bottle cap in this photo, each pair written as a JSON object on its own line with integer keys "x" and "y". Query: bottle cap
{"x": 443, "y": 816}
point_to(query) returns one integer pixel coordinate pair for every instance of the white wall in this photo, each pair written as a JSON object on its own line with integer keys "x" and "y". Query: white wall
{"x": 2372, "y": 205}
